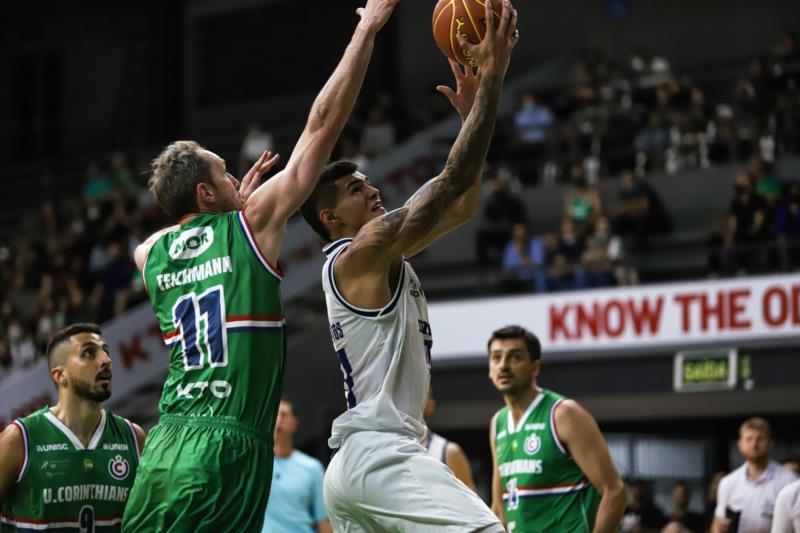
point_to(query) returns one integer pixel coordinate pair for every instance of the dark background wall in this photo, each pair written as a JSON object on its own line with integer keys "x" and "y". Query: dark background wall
{"x": 88, "y": 76}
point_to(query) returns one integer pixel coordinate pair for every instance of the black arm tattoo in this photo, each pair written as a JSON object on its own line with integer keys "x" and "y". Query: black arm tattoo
{"x": 412, "y": 222}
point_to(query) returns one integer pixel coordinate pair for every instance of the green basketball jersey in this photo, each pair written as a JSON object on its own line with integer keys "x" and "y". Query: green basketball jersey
{"x": 63, "y": 485}
{"x": 218, "y": 303}
{"x": 543, "y": 488}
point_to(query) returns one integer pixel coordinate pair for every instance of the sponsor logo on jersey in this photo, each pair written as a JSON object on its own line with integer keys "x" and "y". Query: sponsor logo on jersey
{"x": 118, "y": 468}
{"x": 192, "y": 243}
{"x": 532, "y": 444}
{"x": 88, "y": 464}
{"x": 59, "y": 447}
{"x": 115, "y": 447}
{"x": 537, "y": 426}
{"x": 502, "y": 434}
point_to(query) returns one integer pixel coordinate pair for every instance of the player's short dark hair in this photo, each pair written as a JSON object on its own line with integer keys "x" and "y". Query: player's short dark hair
{"x": 64, "y": 334}
{"x": 175, "y": 174}
{"x": 324, "y": 195}
{"x": 518, "y": 332}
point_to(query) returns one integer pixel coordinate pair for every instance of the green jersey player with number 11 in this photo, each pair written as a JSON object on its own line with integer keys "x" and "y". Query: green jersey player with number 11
{"x": 214, "y": 285}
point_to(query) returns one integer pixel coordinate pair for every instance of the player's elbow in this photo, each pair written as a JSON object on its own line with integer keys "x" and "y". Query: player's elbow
{"x": 616, "y": 494}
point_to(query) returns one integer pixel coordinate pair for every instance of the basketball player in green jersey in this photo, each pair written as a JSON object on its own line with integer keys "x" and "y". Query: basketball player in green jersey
{"x": 552, "y": 469}
{"x": 214, "y": 284}
{"x": 70, "y": 467}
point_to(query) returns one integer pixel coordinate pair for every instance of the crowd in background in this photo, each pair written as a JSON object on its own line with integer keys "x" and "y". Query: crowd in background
{"x": 74, "y": 263}
{"x": 625, "y": 121}
{"x": 611, "y": 119}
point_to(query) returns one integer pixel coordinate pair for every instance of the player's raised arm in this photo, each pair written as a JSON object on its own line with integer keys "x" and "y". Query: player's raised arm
{"x": 269, "y": 207}
{"x": 11, "y": 456}
{"x": 401, "y": 232}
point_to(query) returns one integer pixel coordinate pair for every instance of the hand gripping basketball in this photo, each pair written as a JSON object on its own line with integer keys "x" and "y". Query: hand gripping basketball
{"x": 493, "y": 53}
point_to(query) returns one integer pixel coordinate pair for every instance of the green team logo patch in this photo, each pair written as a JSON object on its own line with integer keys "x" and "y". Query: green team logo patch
{"x": 118, "y": 468}
{"x": 88, "y": 464}
{"x": 532, "y": 444}
{"x": 192, "y": 243}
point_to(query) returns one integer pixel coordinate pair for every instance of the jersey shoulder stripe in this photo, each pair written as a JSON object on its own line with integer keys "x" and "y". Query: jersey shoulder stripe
{"x": 366, "y": 313}
{"x": 248, "y": 234}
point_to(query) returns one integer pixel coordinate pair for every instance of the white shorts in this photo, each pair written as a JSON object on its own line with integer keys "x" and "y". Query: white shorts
{"x": 385, "y": 482}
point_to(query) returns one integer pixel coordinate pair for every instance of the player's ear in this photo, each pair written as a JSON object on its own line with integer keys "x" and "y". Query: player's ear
{"x": 205, "y": 192}
{"x": 537, "y": 367}
{"x": 327, "y": 217}
{"x": 58, "y": 377}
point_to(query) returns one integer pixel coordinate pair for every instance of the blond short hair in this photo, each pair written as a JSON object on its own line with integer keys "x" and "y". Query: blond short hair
{"x": 757, "y": 423}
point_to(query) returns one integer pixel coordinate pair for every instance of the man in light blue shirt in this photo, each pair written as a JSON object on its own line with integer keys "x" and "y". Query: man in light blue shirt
{"x": 296, "y": 503}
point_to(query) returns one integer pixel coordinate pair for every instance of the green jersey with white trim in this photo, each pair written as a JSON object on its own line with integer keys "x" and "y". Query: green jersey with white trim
{"x": 218, "y": 304}
{"x": 63, "y": 485}
{"x": 543, "y": 488}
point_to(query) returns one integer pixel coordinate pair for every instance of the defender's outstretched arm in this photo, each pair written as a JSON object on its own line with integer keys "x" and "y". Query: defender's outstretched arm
{"x": 271, "y": 205}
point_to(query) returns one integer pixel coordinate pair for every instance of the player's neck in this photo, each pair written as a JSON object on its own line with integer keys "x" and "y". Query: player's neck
{"x": 283, "y": 447}
{"x": 80, "y": 415}
{"x": 755, "y": 469}
{"x": 518, "y": 403}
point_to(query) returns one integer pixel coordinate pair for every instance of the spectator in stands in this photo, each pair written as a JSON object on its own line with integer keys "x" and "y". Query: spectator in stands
{"x": 601, "y": 258}
{"x": 792, "y": 464}
{"x": 681, "y": 514}
{"x": 525, "y": 258}
{"x": 582, "y": 203}
{"x": 749, "y": 492}
{"x": 121, "y": 174}
{"x": 114, "y": 280}
{"x": 501, "y": 211}
{"x": 711, "y": 496}
{"x": 256, "y": 141}
{"x": 639, "y": 212}
{"x": 21, "y": 346}
{"x": 378, "y": 134}
{"x": 532, "y": 121}
{"x": 746, "y": 228}
{"x": 566, "y": 271}
{"x": 97, "y": 184}
{"x": 642, "y": 514}
{"x": 6, "y": 362}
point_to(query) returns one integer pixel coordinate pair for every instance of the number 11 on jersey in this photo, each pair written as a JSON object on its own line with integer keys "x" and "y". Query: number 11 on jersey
{"x": 201, "y": 321}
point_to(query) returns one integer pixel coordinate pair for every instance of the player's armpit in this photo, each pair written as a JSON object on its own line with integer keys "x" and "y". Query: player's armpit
{"x": 457, "y": 462}
{"x": 11, "y": 457}
{"x": 497, "y": 489}
{"x": 140, "y": 435}
{"x": 579, "y": 432}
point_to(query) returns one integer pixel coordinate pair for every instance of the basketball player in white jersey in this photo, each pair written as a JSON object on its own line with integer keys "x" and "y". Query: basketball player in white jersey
{"x": 444, "y": 450}
{"x": 381, "y": 479}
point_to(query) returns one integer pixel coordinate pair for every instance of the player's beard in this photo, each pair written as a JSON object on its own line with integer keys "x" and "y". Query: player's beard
{"x": 85, "y": 389}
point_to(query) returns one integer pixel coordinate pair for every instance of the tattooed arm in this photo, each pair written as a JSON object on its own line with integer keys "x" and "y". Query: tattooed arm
{"x": 369, "y": 266}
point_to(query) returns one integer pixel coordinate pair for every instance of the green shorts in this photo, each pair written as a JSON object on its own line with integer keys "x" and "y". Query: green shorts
{"x": 200, "y": 474}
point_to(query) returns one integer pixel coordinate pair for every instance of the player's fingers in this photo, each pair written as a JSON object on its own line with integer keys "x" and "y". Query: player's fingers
{"x": 447, "y": 91}
{"x": 465, "y": 45}
{"x": 512, "y": 24}
{"x": 269, "y": 163}
{"x": 489, "y": 14}
{"x": 456, "y": 68}
{"x": 505, "y": 15}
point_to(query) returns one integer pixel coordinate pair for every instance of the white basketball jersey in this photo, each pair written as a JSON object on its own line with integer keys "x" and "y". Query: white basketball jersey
{"x": 384, "y": 355}
{"x": 436, "y": 446}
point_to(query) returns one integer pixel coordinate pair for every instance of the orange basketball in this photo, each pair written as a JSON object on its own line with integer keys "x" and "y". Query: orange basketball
{"x": 467, "y": 17}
